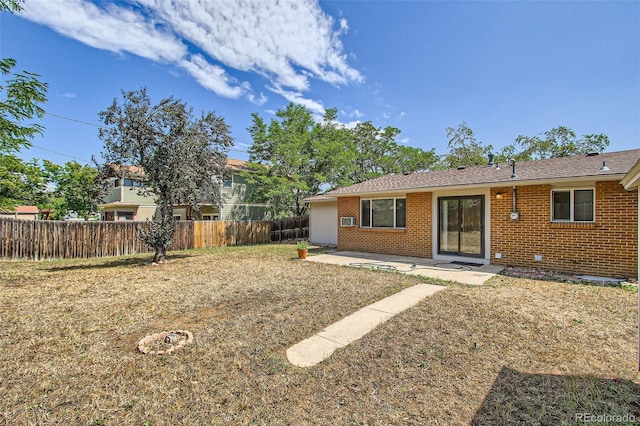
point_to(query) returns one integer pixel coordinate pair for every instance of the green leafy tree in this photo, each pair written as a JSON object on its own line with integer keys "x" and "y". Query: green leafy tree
{"x": 183, "y": 156}
{"x": 557, "y": 142}
{"x": 284, "y": 161}
{"x": 333, "y": 154}
{"x": 374, "y": 152}
{"x": 464, "y": 149}
{"x": 23, "y": 94}
{"x": 22, "y": 183}
{"x": 294, "y": 157}
{"x": 78, "y": 188}
{"x": 20, "y": 97}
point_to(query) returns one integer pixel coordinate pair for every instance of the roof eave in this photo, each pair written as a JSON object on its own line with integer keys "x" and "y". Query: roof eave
{"x": 496, "y": 184}
{"x": 632, "y": 179}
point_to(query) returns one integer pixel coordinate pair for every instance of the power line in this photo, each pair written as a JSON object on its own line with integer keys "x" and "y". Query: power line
{"x": 73, "y": 119}
{"x": 93, "y": 125}
{"x": 59, "y": 153}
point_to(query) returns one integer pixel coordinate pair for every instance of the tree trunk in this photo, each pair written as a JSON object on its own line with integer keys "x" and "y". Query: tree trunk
{"x": 159, "y": 256}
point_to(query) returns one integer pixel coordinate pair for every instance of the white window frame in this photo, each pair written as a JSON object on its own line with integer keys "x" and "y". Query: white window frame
{"x": 395, "y": 219}
{"x": 572, "y": 191}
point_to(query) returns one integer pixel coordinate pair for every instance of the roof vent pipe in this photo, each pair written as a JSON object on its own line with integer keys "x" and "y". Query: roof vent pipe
{"x": 604, "y": 167}
{"x": 512, "y": 162}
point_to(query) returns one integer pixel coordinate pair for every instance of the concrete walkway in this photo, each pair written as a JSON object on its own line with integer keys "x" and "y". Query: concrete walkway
{"x": 440, "y": 269}
{"x": 317, "y": 348}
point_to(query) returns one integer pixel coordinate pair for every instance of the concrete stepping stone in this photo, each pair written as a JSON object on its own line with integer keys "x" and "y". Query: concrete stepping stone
{"x": 319, "y": 347}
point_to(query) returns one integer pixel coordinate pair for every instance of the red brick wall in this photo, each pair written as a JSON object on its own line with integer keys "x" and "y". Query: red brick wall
{"x": 415, "y": 240}
{"x": 607, "y": 247}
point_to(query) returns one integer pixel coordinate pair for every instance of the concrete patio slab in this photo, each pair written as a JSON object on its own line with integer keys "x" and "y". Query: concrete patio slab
{"x": 319, "y": 347}
{"x": 432, "y": 268}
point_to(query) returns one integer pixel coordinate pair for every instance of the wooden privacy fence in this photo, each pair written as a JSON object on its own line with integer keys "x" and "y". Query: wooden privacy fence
{"x": 294, "y": 228}
{"x": 230, "y": 233}
{"x": 43, "y": 239}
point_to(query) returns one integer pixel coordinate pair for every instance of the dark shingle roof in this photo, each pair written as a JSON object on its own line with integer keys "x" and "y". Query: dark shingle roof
{"x": 528, "y": 172}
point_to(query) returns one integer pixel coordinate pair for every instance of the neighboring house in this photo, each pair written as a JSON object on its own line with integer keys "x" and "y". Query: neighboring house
{"x": 21, "y": 212}
{"x": 124, "y": 202}
{"x": 568, "y": 214}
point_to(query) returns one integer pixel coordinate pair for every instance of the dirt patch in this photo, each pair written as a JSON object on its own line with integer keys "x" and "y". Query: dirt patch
{"x": 546, "y": 275}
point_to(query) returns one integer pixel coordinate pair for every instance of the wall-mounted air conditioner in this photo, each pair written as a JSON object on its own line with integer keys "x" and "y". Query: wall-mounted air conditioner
{"x": 347, "y": 221}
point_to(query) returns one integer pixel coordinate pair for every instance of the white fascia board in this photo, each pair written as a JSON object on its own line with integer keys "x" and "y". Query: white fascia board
{"x": 501, "y": 184}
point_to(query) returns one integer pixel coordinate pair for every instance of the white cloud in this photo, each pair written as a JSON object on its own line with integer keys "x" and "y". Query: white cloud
{"x": 356, "y": 113}
{"x": 350, "y": 124}
{"x": 68, "y": 95}
{"x": 212, "y": 77}
{"x": 111, "y": 28}
{"x": 289, "y": 42}
{"x": 297, "y": 98}
{"x": 344, "y": 25}
{"x": 405, "y": 141}
{"x": 259, "y": 100}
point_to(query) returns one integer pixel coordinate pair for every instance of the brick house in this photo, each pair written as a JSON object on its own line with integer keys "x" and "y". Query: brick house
{"x": 567, "y": 214}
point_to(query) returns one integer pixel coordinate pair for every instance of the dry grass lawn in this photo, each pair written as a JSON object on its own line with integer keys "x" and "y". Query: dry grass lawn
{"x": 512, "y": 350}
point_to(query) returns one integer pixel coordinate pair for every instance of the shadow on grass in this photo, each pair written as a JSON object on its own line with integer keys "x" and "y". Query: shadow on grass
{"x": 321, "y": 250}
{"x": 546, "y": 399}
{"x": 115, "y": 262}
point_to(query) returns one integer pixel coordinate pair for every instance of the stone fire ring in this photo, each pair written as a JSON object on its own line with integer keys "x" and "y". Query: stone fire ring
{"x": 168, "y": 337}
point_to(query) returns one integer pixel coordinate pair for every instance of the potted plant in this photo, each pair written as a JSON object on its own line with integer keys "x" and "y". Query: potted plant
{"x": 303, "y": 249}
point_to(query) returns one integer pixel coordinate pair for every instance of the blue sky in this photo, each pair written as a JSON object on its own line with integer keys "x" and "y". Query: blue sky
{"x": 505, "y": 68}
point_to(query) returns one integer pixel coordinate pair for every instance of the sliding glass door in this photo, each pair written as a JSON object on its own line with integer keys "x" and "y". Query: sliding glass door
{"x": 461, "y": 226}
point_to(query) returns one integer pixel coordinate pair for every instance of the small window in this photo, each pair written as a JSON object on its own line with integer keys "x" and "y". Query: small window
{"x": 574, "y": 205}
{"x": 125, "y": 215}
{"x": 132, "y": 182}
{"x": 365, "y": 218}
{"x": 401, "y": 212}
{"x": 383, "y": 213}
{"x": 227, "y": 182}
